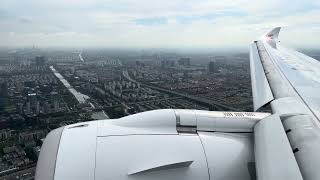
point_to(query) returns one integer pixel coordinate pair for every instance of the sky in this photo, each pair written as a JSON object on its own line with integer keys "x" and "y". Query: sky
{"x": 157, "y": 23}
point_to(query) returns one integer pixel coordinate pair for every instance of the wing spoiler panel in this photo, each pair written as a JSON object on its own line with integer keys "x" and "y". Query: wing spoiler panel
{"x": 261, "y": 91}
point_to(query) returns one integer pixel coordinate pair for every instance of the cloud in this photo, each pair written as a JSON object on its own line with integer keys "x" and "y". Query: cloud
{"x": 25, "y": 19}
{"x": 165, "y": 23}
{"x": 3, "y": 14}
{"x": 151, "y": 21}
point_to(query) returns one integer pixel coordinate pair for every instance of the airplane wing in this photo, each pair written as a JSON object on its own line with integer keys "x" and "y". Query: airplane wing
{"x": 204, "y": 145}
{"x": 290, "y": 82}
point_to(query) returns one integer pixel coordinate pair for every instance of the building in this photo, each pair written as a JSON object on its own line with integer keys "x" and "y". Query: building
{"x": 36, "y": 150}
{"x": 40, "y": 60}
{"x": 3, "y": 89}
{"x": 55, "y": 101}
{"x": 32, "y": 104}
{"x": 29, "y": 138}
{"x": 5, "y": 134}
{"x": 184, "y": 61}
{"x": 167, "y": 63}
{"x": 211, "y": 67}
{"x": 3, "y": 94}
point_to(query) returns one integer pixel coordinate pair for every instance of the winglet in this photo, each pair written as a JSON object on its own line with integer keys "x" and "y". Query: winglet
{"x": 272, "y": 37}
{"x": 274, "y": 33}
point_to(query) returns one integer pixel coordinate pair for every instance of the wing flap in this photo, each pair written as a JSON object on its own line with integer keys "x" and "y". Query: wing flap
{"x": 274, "y": 156}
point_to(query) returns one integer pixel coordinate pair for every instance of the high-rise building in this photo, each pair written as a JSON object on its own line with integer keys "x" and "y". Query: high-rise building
{"x": 28, "y": 108}
{"x": 3, "y": 94}
{"x": 46, "y": 108}
{"x": 37, "y": 108}
{"x": 55, "y": 101}
{"x": 167, "y": 63}
{"x": 40, "y": 60}
{"x": 33, "y": 104}
{"x": 211, "y": 67}
{"x": 184, "y": 61}
{"x": 3, "y": 89}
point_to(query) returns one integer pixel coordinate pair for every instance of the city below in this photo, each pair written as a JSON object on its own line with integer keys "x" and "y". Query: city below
{"x": 41, "y": 90}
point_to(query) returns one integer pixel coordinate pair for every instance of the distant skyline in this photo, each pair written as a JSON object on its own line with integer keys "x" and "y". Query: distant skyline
{"x": 157, "y": 24}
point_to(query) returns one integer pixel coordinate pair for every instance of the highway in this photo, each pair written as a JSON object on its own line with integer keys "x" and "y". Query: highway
{"x": 212, "y": 105}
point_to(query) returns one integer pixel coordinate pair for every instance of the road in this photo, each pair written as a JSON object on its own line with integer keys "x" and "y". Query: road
{"x": 26, "y": 173}
{"x": 80, "y": 57}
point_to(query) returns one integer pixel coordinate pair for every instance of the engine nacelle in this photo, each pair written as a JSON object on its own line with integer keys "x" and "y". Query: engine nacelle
{"x": 159, "y": 144}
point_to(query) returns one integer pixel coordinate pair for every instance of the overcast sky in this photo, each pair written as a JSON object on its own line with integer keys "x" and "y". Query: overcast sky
{"x": 157, "y": 23}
